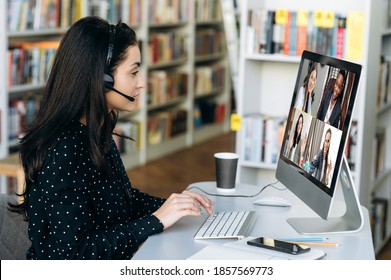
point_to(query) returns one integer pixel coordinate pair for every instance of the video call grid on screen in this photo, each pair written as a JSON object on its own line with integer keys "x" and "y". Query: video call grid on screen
{"x": 324, "y": 123}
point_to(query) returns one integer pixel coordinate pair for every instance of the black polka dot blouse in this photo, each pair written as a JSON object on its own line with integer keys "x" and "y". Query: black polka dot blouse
{"x": 76, "y": 212}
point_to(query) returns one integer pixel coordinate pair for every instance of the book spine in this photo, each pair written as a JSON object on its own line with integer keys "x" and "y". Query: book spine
{"x": 340, "y": 40}
{"x": 287, "y": 34}
{"x": 293, "y": 34}
{"x": 302, "y": 26}
{"x": 269, "y": 32}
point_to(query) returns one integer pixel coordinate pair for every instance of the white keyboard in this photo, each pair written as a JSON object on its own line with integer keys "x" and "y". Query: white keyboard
{"x": 230, "y": 224}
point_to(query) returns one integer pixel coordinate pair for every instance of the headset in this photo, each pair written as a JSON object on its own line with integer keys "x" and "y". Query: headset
{"x": 108, "y": 79}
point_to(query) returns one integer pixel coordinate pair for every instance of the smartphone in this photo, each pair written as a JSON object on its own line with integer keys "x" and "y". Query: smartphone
{"x": 279, "y": 245}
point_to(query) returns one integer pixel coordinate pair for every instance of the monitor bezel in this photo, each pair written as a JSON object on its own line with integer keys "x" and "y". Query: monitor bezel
{"x": 287, "y": 171}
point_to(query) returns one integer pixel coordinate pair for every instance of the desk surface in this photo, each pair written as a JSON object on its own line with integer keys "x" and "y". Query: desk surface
{"x": 177, "y": 241}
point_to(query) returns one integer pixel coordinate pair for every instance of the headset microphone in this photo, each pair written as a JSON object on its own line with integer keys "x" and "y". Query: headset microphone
{"x": 108, "y": 79}
{"x": 130, "y": 98}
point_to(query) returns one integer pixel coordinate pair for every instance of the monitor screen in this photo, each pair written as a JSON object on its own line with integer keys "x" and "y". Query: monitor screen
{"x": 317, "y": 128}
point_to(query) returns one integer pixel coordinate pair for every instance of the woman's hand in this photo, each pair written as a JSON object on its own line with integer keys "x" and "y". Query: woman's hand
{"x": 180, "y": 205}
{"x": 329, "y": 167}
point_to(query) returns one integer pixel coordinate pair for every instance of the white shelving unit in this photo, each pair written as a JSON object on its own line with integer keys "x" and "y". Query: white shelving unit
{"x": 3, "y": 85}
{"x": 266, "y": 83}
{"x": 144, "y": 30}
{"x": 380, "y": 186}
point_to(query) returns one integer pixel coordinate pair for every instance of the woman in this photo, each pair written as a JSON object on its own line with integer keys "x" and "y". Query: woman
{"x": 331, "y": 107}
{"x": 295, "y": 147}
{"x": 306, "y": 94}
{"x": 321, "y": 167}
{"x": 78, "y": 199}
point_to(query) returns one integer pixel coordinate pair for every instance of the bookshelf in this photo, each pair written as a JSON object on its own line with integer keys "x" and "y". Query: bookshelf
{"x": 28, "y": 40}
{"x": 267, "y": 74}
{"x": 3, "y": 85}
{"x": 166, "y": 30}
{"x": 381, "y": 178}
{"x": 211, "y": 81}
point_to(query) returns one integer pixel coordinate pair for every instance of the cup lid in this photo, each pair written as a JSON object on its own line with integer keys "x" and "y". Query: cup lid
{"x": 226, "y": 155}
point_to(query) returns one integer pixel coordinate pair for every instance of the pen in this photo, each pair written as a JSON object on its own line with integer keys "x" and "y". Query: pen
{"x": 304, "y": 239}
{"x": 317, "y": 244}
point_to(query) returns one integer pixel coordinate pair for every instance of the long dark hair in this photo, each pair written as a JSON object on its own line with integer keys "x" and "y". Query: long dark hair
{"x": 297, "y": 136}
{"x": 326, "y": 157}
{"x": 75, "y": 89}
{"x": 312, "y": 67}
{"x": 343, "y": 75}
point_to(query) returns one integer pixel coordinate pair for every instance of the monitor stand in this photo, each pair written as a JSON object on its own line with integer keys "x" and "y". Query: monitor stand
{"x": 351, "y": 221}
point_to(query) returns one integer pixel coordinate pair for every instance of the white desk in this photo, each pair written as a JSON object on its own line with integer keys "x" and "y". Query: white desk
{"x": 177, "y": 242}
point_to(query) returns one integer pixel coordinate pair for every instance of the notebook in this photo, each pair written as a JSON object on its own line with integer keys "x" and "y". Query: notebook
{"x": 240, "y": 250}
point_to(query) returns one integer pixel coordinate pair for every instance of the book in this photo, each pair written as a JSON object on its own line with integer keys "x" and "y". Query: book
{"x": 245, "y": 142}
{"x": 164, "y": 86}
{"x": 252, "y": 126}
{"x": 168, "y": 46}
{"x": 378, "y": 219}
{"x": 177, "y": 122}
{"x": 351, "y": 145}
{"x": 287, "y": 33}
{"x": 302, "y": 27}
{"x": 293, "y": 34}
{"x": 30, "y": 62}
{"x": 209, "y": 78}
{"x": 269, "y": 31}
{"x": 163, "y": 125}
{"x": 312, "y": 30}
{"x": 281, "y": 17}
{"x": 250, "y": 33}
{"x": 379, "y": 151}
{"x": 128, "y": 128}
{"x": 174, "y": 11}
{"x": 270, "y": 136}
{"x": 65, "y": 13}
{"x": 21, "y": 112}
{"x": 384, "y": 86}
{"x": 220, "y": 113}
{"x": 197, "y": 117}
{"x": 208, "y": 109}
{"x": 340, "y": 36}
{"x": 261, "y": 31}
{"x": 254, "y": 137}
{"x": 355, "y": 35}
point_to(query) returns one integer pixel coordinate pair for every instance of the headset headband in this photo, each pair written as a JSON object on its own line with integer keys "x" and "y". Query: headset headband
{"x": 111, "y": 47}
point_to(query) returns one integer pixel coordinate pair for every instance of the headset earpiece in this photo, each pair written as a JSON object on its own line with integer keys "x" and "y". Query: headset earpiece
{"x": 108, "y": 80}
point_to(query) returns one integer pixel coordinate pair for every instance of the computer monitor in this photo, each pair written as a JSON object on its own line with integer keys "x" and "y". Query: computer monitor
{"x": 312, "y": 152}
